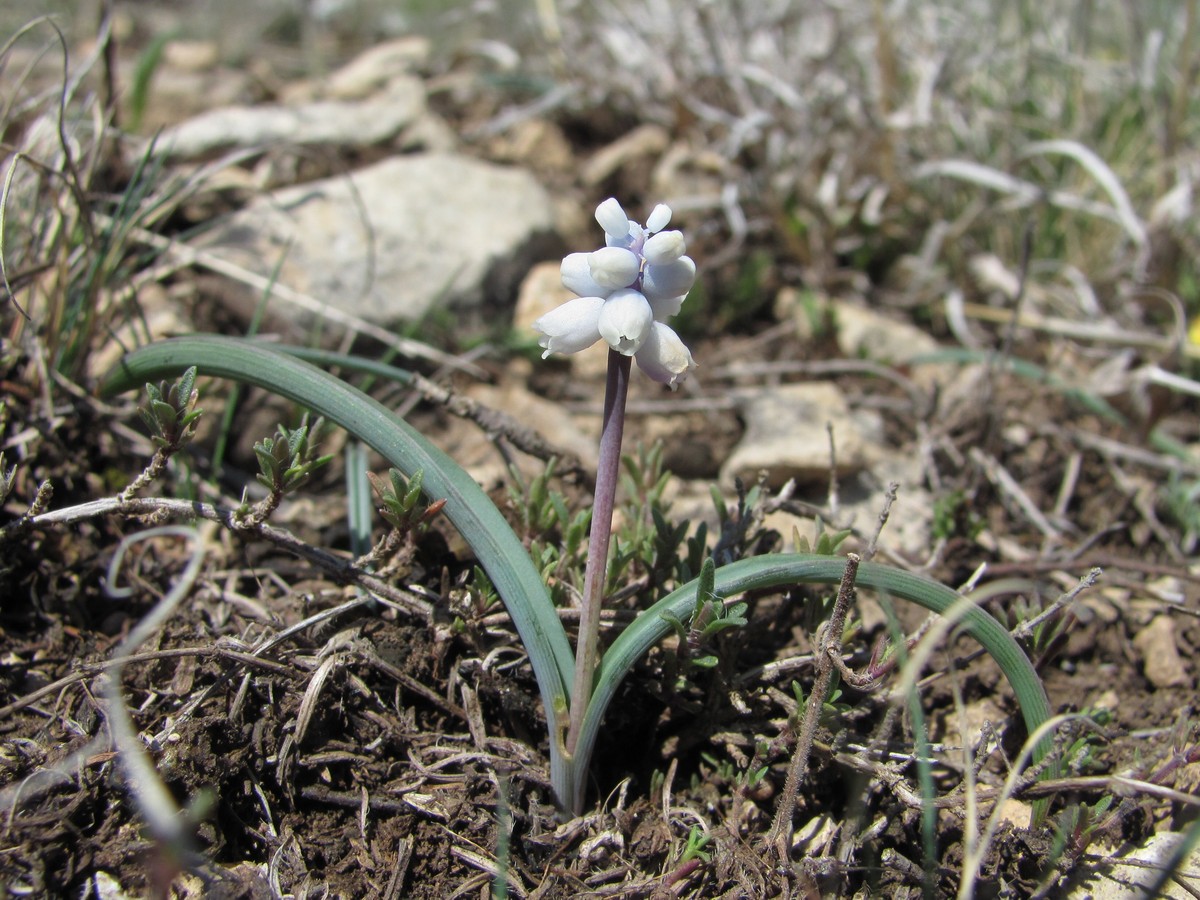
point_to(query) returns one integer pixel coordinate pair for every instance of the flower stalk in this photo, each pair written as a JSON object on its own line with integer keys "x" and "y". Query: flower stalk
{"x": 616, "y": 392}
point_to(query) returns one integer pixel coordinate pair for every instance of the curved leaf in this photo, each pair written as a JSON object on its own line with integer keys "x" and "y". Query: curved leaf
{"x": 788, "y": 569}
{"x": 468, "y": 508}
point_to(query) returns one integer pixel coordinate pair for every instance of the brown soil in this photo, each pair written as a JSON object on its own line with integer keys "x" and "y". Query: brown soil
{"x": 388, "y": 791}
{"x": 377, "y": 754}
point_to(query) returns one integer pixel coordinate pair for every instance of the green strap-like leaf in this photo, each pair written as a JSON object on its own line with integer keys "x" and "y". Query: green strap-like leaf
{"x": 790, "y": 569}
{"x": 468, "y": 508}
{"x": 508, "y": 565}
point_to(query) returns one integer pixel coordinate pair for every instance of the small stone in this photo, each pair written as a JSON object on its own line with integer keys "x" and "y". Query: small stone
{"x": 991, "y": 274}
{"x": 541, "y": 291}
{"x": 786, "y": 435}
{"x": 374, "y": 68}
{"x": 107, "y": 887}
{"x": 536, "y": 144}
{"x": 963, "y": 726}
{"x": 860, "y": 333}
{"x": 1016, "y": 813}
{"x": 1161, "y": 662}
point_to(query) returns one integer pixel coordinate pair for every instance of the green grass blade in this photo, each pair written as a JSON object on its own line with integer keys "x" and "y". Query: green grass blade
{"x": 359, "y": 506}
{"x": 789, "y": 569}
{"x": 468, "y": 508}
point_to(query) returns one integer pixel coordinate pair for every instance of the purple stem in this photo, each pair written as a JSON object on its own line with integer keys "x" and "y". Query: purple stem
{"x": 616, "y": 390}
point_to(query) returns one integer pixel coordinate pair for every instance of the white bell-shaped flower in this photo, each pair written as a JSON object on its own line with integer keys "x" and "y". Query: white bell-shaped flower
{"x": 614, "y": 267}
{"x": 627, "y": 290}
{"x": 572, "y": 327}
{"x": 666, "y": 307}
{"x": 625, "y": 320}
{"x": 664, "y": 357}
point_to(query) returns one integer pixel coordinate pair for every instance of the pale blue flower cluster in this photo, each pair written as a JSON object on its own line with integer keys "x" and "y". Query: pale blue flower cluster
{"x": 627, "y": 290}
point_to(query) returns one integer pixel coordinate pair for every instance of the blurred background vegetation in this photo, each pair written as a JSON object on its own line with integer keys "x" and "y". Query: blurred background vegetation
{"x": 891, "y": 140}
{"x": 899, "y": 153}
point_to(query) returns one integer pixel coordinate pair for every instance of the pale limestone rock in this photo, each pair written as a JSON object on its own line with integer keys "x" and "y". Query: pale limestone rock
{"x": 328, "y": 123}
{"x": 409, "y": 236}
{"x": 860, "y": 333}
{"x": 1129, "y": 874}
{"x": 374, "y": 68}
{"x": 786, "y": 435}
{"x": 909, "y": 527}
{"x": 1161, "y": 662}
{"x": 541, "y": 291}
{"x": 1016, "y": 813}
{"x": 476, "y": 452}
{"x": 161, "y": 316}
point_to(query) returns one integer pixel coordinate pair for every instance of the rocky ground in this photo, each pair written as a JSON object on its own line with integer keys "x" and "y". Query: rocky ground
{"x": 412, "y": 202}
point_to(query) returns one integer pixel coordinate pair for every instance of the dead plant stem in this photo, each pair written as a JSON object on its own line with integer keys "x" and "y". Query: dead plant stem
{"x": 340, "y": 569}
{"x": 829, "y": 645}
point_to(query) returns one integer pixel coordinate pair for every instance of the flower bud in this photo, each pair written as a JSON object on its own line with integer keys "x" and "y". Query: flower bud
{"x": 612, "y": 219}
{"x": 659, "y": 218}
{"x": 614, "y": 267}
{"x": 664, "y": 247}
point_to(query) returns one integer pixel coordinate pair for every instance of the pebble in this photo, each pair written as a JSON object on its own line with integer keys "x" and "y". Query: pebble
{"x": 1161, "y": 662}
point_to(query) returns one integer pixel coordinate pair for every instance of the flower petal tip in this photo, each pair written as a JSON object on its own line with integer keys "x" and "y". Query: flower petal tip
{"x": 659, "y": 218}
{"x": 612, "y": 218}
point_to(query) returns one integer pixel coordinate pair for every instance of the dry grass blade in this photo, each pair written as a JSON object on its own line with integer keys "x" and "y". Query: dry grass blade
{"x": 154, "y": 801}
{"x": 312, "y": 694}
{"x": 1104, "y": 176}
